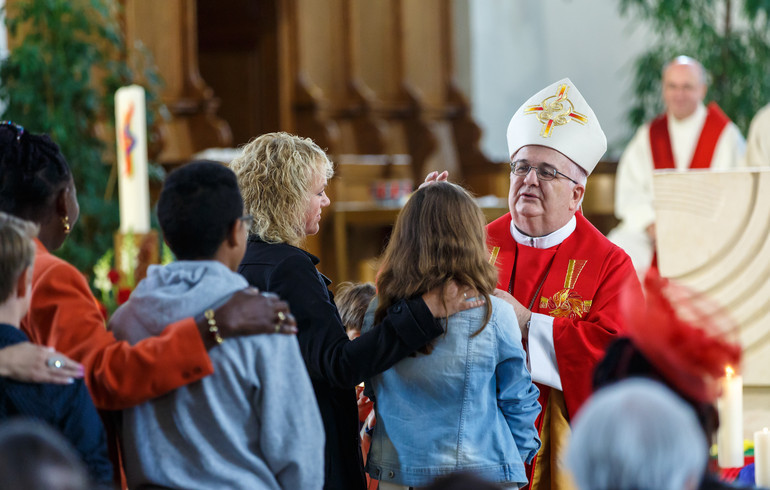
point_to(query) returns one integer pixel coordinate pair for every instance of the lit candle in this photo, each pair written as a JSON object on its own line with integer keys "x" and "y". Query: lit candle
{"x": 131, "y": 130}
{"x": 762, "y": 458}
{"x": 730, "y": 434}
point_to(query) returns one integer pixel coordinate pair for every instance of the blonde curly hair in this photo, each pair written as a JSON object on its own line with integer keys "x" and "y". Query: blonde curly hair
{"x": 275, "y": 173}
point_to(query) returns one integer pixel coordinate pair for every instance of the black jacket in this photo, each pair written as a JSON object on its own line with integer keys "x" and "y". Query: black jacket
{"x": 336, "y": 364}
{"x": 66, "y": 408}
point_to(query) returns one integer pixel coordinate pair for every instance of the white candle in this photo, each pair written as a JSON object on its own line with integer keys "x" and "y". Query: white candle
{"x": 730, "y": 434}
{"x": 131, "y": 131}
{"x": 762, "y": 458}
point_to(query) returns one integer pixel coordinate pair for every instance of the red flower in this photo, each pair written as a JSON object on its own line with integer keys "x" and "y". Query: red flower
{"x": 113, "y": 276}
{"x": 123, "y": 294}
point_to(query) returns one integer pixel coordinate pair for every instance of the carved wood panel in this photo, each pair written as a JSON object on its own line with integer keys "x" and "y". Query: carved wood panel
{"x": 168, "y": 30}
{"x": 713, "y": 232}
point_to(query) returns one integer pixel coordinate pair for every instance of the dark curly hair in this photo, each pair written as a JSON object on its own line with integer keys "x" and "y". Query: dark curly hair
{"x": 32, "y": 171}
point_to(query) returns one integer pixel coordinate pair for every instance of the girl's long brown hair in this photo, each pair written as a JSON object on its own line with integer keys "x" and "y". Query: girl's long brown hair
{"x": 439, "y": 236}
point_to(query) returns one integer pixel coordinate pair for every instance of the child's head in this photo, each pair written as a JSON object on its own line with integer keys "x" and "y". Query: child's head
{"x": 352, "y": 299}
{"x": 35, "y": 456}
{"x": 17, "y": 255}
{"x": 200, "y": 210}
{"x": 439, "y": 236}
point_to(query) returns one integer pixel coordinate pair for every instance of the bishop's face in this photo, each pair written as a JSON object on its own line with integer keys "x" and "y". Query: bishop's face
{"x": 540, "y": 207}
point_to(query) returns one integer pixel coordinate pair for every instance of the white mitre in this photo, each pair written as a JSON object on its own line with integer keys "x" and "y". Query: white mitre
{"x": 560, "y": 118}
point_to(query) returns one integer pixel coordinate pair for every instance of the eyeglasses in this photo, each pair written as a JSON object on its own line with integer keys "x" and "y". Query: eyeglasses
{"x": 543, "y": 172}
{"x": 248, "y": 220}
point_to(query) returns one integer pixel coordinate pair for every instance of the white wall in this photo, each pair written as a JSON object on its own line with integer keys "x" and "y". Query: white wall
{"x": 509, "y": 49}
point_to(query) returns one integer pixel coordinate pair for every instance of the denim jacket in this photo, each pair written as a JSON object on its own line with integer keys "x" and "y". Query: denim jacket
{"x": 469, "y": 405}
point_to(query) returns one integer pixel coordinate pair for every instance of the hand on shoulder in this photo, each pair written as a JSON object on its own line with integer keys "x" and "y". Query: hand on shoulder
{"x": 523, "y": 315}
{"x": 32, "y": 363}
{"x": 250, "y": 312}
{"x": 454, "y": 298}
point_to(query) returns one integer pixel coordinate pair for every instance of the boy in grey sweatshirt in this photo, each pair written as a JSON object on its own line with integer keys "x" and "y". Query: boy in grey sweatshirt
{"x": 254, "y": 423}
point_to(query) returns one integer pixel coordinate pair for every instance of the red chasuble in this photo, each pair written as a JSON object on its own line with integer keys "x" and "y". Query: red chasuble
{"x": 582, "y": 279}
{"x": 660, "y": 141}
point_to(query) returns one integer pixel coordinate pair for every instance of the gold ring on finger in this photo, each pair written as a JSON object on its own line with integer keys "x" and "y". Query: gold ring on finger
{"x": 281, "y": 316}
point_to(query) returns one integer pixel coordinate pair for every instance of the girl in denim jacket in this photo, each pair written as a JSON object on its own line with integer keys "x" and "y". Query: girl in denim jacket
{"x": 466, "y": 402}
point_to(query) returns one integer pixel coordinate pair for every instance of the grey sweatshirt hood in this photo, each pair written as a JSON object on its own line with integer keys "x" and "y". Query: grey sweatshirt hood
{"x": 173, "y": 292}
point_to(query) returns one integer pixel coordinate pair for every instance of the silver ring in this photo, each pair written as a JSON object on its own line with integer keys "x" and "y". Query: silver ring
{"x": 465, "y": 295}
{"x": 55, "y": 362}
{"x": 281, "y": 316}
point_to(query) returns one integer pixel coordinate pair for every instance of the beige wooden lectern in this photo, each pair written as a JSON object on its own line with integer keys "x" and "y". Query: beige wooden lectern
{"x": 713, "y": 235}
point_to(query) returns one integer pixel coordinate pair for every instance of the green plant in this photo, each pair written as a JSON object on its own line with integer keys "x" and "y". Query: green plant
{"x": 60, "y": 79}
{"x": 732, "y": 41}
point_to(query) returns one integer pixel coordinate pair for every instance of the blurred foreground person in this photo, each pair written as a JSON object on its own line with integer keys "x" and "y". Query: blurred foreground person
{"x": 33, "y": 456}
{"x": 681, "y": 339}
{"x": 636, "y": 434}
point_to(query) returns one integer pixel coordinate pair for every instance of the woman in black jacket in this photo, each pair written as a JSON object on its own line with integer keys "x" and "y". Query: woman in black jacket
{"x": 283, "y": 180}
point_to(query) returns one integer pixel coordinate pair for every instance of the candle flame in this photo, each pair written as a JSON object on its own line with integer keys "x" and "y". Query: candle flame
{"x": 729, "y": 371}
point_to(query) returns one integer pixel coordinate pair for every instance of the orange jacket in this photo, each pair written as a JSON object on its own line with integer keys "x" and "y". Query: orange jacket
{"x": 64, "y": 315}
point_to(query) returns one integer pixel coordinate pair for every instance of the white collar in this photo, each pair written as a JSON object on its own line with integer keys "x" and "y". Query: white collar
{"x": 545, "y": 241}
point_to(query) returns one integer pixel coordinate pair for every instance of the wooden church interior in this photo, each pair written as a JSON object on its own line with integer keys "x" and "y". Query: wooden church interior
{"x": 371, "y": 82}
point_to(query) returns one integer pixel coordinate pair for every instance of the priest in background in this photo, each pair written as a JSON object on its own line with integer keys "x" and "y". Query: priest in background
{"x": 562, "y": 276}
{"x": 689, "y": 135}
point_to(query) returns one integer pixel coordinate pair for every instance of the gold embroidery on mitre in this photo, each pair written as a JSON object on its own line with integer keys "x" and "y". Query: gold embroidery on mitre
{"x": 556, "y": 110}
{"x": 567, "y": 303}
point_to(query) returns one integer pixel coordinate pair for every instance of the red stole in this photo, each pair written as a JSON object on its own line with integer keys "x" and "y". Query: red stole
{"x": 660, "y": 141}
{"x": 582, "y": 263}
{"x": 571, "y": 280}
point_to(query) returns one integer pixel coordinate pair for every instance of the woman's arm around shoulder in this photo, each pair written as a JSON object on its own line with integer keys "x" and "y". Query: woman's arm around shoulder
{"x": 328, "y": 353}
{"x": 64, "y": 314}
